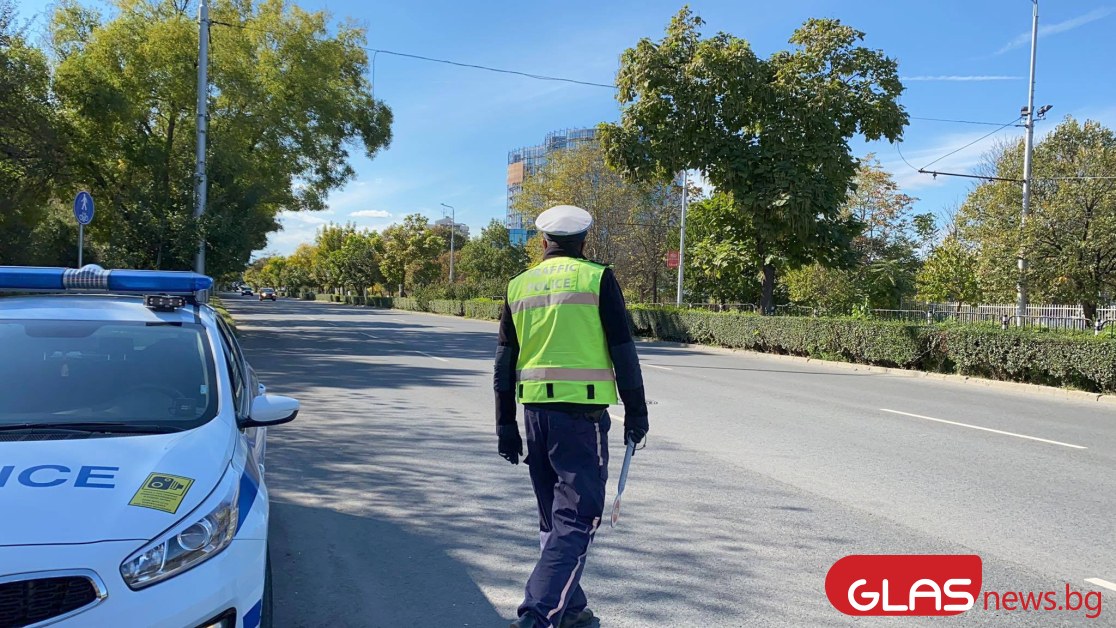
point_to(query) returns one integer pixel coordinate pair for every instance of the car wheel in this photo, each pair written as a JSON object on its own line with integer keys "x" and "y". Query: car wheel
{"x": 265, "y": 610}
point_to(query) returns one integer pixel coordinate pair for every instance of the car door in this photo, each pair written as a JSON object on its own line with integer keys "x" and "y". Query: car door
{"x": 246, "y": 387}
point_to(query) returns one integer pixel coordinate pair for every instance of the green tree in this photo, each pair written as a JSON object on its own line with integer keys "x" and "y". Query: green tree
{"x": 33, "y": 144}
{"x": 879, "y": 271}
{"x": 491, "y": 258}
{"x": 1070, "y": 237}
{"x": 300, "y": 267}
{"x": 633, "y": 222}
{"x": 717, "y": 267}
{"x": 949, "y": 274}
{"x": 411, "y": 250}
{"x": 357, "y": 263}
{"x": 289, "y": 99}
{"x": 774, "y": 132}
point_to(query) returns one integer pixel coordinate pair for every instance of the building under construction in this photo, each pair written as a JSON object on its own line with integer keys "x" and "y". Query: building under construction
{"x": 525, "y": 162}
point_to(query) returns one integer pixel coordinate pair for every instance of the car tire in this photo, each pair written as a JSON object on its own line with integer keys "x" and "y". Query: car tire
{"x": 265, "y": 610}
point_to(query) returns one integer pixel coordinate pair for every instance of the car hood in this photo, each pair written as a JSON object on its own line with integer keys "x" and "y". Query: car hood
{"x": 87, "y": 490}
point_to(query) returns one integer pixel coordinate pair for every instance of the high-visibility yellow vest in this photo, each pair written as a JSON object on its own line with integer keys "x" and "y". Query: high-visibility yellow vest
{"x": 563, "y": 353}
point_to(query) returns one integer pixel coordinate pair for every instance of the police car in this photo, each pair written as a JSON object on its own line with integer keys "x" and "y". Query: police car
{"x": 131, "y": 455}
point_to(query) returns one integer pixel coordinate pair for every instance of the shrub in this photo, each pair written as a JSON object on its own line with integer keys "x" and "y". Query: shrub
{"x": 1018, "y": 355}
{"x": 384, "y": 302}
{"x": 407, "y": 303}
{"x": 484, "y": 308}
{"x": 446, "y": 307}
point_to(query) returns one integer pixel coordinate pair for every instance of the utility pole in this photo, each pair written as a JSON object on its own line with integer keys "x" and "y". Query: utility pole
{"x": 1021, "y": 285}
{"x": 203, "y": 118}
{"x": 453, "y": 228}
{"x": 682, "y": 237}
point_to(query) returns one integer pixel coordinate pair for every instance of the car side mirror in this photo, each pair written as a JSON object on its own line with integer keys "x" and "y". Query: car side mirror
{"x": 271, "y": 410}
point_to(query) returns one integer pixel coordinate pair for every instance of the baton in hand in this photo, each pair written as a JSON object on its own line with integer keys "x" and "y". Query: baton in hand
{"x": 623, "y": 480}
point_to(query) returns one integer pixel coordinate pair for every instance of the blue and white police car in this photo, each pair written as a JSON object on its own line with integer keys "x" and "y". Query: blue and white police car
{"x": 131, "y": 455}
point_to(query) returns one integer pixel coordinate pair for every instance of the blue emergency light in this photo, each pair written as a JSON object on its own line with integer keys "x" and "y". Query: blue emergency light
{"x": 95, "y": 278}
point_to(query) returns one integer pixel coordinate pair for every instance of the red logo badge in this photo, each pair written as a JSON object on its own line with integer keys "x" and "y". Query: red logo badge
{"x": 898, "y": 585}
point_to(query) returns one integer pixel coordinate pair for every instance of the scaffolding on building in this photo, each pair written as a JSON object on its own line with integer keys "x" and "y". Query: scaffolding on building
{"x": 525, "y": 162}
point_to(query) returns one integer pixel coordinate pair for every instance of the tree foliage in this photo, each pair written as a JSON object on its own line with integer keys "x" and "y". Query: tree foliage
{"x": 774, "y": 132}
{"x": 491, "y": 257}
{"x": 880, "y": 266}
{"x": 34, "y": 140}
{"x": 949, "y": 274}
{"x": 289, "y": 100}
{"x": 1070, "y": 237}
{"x": 717, "y": 266}
{"x": 634, "y": 223}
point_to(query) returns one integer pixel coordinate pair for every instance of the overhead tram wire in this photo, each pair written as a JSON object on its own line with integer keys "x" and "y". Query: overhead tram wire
{"x": 375, "y": 51}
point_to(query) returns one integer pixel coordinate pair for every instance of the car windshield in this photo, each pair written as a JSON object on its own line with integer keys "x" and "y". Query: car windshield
{"x": 127, "y": 376}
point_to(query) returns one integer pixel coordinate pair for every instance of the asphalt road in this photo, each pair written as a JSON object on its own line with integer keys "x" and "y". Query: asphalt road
{"x": 390, "y": 506}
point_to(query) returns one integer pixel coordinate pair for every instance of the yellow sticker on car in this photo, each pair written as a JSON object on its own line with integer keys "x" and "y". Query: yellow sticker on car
{"x": 161, "y": 491}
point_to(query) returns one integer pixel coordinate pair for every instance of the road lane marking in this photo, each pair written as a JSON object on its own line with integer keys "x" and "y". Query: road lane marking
{"x": 1101, "y": 583}
{"x": 432, "y": 356}
{"x": 656, "y": 366}
{"x": 984, "y": 429}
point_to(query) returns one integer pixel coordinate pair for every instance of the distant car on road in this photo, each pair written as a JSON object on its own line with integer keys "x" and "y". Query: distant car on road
{"x": 132, "y": 441}
{"x": 245, "y": 291}
{"x": 267, "y": 293}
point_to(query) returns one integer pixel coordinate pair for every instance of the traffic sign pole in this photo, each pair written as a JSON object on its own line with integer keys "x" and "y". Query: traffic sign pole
{"x": 83, "y": 212}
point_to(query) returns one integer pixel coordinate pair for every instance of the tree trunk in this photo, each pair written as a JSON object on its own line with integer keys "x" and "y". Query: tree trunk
{"x": 767, "y": 301}
{"x": 1090, "y": 311}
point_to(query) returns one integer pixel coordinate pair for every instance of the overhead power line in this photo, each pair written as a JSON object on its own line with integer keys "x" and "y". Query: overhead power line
{"x": 475, "y": 66}
{"x": 956, "y": 121}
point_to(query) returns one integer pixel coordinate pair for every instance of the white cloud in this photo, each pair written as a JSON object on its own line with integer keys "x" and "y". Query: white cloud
{"x": 371, "y": 213}
{"x": 1060, "y": 27}
{"x": 961, "y": 77}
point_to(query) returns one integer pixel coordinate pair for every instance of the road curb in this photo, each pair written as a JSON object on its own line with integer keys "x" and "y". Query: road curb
{"x": 1021, "y": 387}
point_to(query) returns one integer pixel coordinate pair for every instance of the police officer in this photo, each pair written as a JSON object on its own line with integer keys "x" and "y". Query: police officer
{"x": 564, "y": 351}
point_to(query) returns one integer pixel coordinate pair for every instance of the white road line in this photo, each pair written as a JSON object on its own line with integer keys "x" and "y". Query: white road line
{"x": 983, "y": 429}
{"x": 1101, "y": 583}
{"x": 656, "y": 366}
{"x": 432, "y": 356}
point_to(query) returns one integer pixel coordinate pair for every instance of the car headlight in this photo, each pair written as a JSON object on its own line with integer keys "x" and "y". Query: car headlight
{"x": 199, "y": 536}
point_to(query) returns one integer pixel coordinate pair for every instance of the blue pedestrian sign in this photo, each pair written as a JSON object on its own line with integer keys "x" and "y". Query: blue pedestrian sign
{"x": 83, "y": 208}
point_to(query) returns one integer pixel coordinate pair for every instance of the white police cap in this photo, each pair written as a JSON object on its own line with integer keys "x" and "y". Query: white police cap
{"x": 564, "y": 220}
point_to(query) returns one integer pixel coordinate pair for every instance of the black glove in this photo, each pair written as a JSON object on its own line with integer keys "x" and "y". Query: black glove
{"x": 511, "y": 445}
{"x": 635, "y": 428}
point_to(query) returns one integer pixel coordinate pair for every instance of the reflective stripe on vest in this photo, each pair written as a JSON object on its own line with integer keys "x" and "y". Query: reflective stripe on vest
{"x": 565, "y": 375}
{"x": 563, "y": 353}
{"x": 557, "y": 298}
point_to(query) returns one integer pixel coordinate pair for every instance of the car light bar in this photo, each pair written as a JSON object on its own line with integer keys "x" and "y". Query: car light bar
{"x": 92, "y": 277}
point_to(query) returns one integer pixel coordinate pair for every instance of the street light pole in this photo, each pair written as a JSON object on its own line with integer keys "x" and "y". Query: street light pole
{"x": 1028, "y": 158}
{"x": 203, "y": 116}
{"x": 682, "y": 238}
{"x": 453, "y": 228}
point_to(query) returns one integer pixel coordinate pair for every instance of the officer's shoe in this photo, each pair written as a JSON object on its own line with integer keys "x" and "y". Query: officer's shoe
{"x": 527, "y": 621}
{"x": 584, "y": 619}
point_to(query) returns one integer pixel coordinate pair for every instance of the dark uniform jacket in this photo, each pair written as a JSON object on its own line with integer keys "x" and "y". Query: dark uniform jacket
{"x": 621, "y": 347}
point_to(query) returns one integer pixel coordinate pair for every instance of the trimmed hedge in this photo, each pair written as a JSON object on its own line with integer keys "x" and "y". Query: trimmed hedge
{"x": 445, "y": 307}
{"x": 1085, "y": 362}
{"x": 489, "y": 309}
{"x": 407, "y": 303}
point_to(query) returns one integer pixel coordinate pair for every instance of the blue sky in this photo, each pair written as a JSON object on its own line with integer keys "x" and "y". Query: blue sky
{"x": 454, "y": 126}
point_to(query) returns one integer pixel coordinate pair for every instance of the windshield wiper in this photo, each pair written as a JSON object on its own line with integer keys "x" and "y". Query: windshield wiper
{"x": 93, "y": 427}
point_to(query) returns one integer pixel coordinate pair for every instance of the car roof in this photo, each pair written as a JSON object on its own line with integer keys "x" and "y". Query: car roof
{"x": 86, "y": 307}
